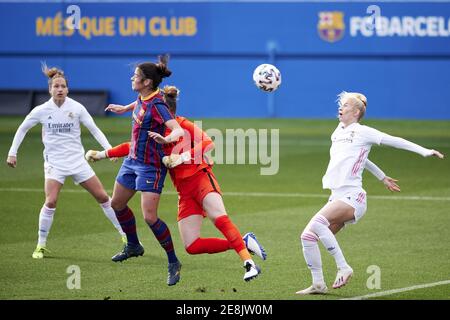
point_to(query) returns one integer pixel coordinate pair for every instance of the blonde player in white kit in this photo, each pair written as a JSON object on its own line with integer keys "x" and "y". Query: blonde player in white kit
{"x": 351, "y": 143}
{"x": 63, "y": 154}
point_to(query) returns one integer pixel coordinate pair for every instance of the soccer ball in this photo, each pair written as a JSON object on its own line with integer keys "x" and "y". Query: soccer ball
{"x": 267, "y": 77}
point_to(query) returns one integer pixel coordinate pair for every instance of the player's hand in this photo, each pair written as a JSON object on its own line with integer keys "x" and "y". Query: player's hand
{"x": 436, "y": 153}
{"x": 391, "y": 184}
{"x": 116, "y": 108}
{"x": 114, "y": 159}
{"x": 176, "y": 159}
{"x": 157, "y": 137}
{"x": 94, "y": 155}
{"x": 11, "y": 161}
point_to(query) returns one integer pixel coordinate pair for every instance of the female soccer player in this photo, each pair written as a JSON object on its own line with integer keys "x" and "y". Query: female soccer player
{"x": 351, "y": 144}
{"x": 199, "y": 193}
{"x": 142, "y": 170}
{"x": 63, "y": 154}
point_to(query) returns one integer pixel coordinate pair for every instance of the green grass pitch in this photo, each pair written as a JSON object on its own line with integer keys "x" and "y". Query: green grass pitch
{"x": 406, "y": 238}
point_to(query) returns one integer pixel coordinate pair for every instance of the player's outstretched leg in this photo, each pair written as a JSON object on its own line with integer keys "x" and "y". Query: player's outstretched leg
{"x": 253, "y": 246}
{"x": 232, "y": 234}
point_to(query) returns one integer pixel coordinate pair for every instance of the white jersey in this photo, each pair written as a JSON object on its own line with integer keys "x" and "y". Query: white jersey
{"x": 348, "y": 155}
{"x": 60, "y": 133}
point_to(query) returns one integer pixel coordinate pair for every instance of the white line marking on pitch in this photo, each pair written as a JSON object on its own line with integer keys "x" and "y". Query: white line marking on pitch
{"x": 260, "y": 194}
{"x": 389, "y": 292}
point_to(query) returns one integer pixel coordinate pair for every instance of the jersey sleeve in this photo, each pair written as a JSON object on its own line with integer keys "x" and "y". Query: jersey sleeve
{"x": 404, "y": 144}
{"x": 29, "y": 122}
{"x": 371, "y": 135}
{"x": 162, "y": 113}
{"x": 201, "y": 141}
{"x": 119, "y": 151}
{"x": 374, "y": 169}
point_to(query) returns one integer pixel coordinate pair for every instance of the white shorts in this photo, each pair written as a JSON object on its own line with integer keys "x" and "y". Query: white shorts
{"x": 354, "y": 197}
{"x": 80, "y": 174}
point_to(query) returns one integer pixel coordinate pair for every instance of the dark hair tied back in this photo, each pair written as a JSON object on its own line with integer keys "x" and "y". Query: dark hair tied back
{"x": 155, "y": 71}
{"x": 163, "y": 70}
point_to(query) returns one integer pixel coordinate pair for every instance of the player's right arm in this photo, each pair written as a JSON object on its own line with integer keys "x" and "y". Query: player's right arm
{"x": 30, "y": 121}
{"x": 389, "y": 182}
{"x": 119, "y": 151}
{"x": 119, "y": 109}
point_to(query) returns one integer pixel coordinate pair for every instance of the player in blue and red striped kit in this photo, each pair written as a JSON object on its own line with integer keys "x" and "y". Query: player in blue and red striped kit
{"x": 142, "y": 170}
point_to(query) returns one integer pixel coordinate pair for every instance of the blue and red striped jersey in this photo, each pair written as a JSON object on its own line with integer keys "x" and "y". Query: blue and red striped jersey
{"x": 149, "y": 114}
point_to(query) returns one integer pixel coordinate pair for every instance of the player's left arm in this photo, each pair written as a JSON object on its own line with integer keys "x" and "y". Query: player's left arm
{"x": 164, "y": 116}
{"x": 374, "y": 169}
{"x": 87, "y": 120}
{"x": 177, "y": 133}
{"x": 404, "y": 144}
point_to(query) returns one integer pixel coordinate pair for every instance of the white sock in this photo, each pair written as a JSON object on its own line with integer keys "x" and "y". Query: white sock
{"x": 312, "y": 256}
{"x": 45, "y": 223}
{"x": 249, "y": 260}
{"x": 111, "y": 215}
{"x": 319, "y": 225}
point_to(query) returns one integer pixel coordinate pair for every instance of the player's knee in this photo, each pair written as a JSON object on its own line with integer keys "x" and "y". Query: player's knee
{"x": 150, "y": 218}
{"x": 50, "y": 202}
{"x": 318, "y": 222}
{"x": 102, "y": 198}
{"x": 117, "y": 205}
{"x": 308, "y": 237}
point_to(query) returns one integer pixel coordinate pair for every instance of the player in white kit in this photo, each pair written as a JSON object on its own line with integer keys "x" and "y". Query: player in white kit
{"x": 351, "y": 143}
{"x": 63, "y": 153}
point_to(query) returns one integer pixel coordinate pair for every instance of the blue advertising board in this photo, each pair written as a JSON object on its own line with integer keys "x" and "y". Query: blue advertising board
{"x": 392, "y": 51}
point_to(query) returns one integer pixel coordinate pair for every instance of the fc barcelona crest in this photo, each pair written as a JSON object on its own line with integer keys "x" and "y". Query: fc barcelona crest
{"x": 331, "y": 25}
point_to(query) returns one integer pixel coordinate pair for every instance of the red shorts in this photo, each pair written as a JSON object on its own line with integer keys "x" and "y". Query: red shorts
{"x": 192, "y": 190}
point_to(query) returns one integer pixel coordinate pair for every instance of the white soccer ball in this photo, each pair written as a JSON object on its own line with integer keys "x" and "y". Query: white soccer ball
{"x": 267, "y": 77}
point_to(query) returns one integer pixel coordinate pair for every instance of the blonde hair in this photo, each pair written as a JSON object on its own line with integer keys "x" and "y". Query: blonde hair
{"x": 52, "y": 73}
{"x": 171, "y": 94}
{"x": 360, "y": 101}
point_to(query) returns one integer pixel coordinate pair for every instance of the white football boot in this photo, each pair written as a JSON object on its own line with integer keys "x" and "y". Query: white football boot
{"x": 316, "y": 288}
{"x": 251, "y": 270}
{"x": 253, "y": 246}
{"x": 343, "y": 277}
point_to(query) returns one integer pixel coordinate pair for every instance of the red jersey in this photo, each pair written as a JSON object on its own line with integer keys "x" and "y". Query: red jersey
{"x": 197, "y": 142}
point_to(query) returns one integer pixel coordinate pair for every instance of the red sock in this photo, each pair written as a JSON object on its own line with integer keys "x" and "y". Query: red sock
{"x": 208, "y": 245}
{"x": 231, "y": 232}
{"x": 119, "y": 151}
